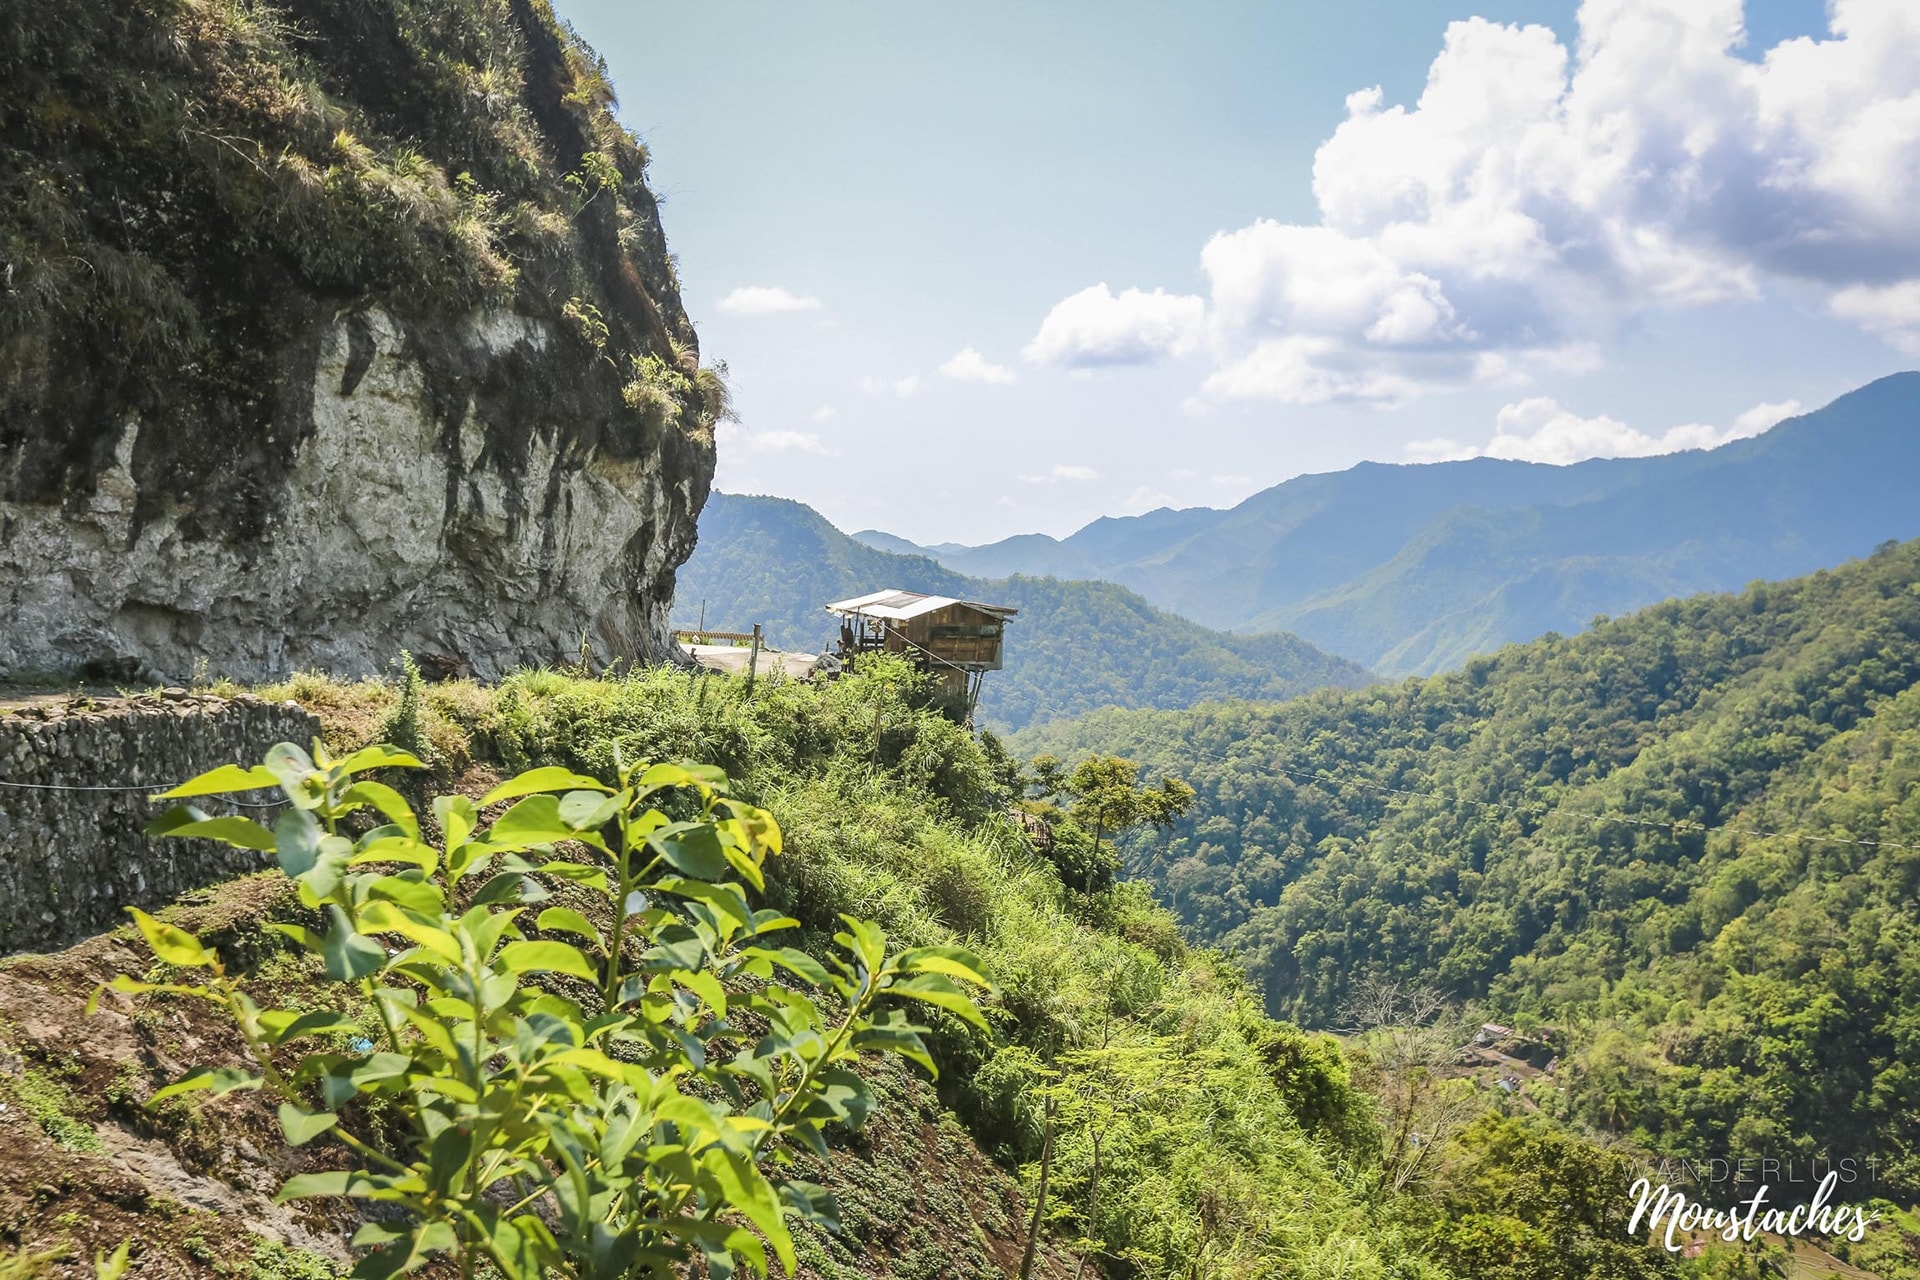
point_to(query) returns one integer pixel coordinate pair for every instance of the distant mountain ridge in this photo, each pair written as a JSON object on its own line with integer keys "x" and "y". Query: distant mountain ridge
{"x": 1412, "y": 568}
{"x": 1076, "y": 646}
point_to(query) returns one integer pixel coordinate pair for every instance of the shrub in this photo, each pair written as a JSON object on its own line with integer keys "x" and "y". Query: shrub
{"x": 607, "y": 1105}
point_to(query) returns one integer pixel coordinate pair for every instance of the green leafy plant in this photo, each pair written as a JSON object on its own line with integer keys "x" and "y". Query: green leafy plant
{"x": 22, "y": 1264}
{"x": 598, "y": 1091}
{"x": 112, "y": 1266}
{"x": 402, "y": 727}
{"x": 657, "y": 390}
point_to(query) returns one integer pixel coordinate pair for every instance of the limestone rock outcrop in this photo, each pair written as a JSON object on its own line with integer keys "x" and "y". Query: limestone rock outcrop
{"x": 352, "y": 330}
{"x": 480, "y": 540}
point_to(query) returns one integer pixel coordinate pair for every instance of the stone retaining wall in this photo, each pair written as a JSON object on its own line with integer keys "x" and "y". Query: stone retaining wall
{"x": 71, "y": 861}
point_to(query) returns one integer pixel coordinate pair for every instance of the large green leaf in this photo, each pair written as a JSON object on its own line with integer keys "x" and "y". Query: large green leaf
{"x": 304, "y": 1186}
{"x": 794, "y": 961}
{"x": 747, "y": 1190}
{"x": 293, "y": 767}
{"x": 379, "y": 756}
{"x": 380, "y": 916}
{"x": 170, "y": 943}
{"x": 415, "y": 893}
{"x": 939, "y": 990}
{"x": 391, "y": 804}
{"x": 302, "y": 1127}
{"x": 693, "y": 849}
{"x": 551, "y": 957}
{"x": 515, "y": 1250}
{"x": 727, "y": 899}
{"x": 214, "y": 1080}
{"x": 584, "y": 810}
{"x": 567, "y": 920}
{"x": 297, "y": 841}
{"x": 535, "y": 821}
{"x": 241, "y": 833}
{"x": 349, "y": 956}
{"x": 954, "y": 962}
{"x": 547, "y": 778}
{"x": 397, "y": 849}
{"x": 282, "y": 1025}
{"x": 227, "y": 778}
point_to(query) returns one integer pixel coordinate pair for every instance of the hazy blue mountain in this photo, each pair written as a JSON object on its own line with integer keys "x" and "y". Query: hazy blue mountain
{"x": 1076, "y": 646}
{"x": 1412, "y": 568}
{"x": 883, "y": 541}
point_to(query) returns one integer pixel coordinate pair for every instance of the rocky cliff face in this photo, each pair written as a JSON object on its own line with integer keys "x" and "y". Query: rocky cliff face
{"x": 330, "y": 328}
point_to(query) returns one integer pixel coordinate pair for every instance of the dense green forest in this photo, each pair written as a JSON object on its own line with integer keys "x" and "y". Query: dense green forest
{"x": 1412, "y": 569}
{"x": 1687, "y": 842}
{"x": 1076, "y": 646}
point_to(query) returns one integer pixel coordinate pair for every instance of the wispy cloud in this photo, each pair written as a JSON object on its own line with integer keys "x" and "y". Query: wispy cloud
{"x": 1063, "y": 472}
{"x": 766, "y": 300}
{"x": 821, "y": 414}
{"x": 1144, "y": 499}
{"x": 968, "y": 365}
{"x": 783, "y": 442}
{"x": 901, "y": 387}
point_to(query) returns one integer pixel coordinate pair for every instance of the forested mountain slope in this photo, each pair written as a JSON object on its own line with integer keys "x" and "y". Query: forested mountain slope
{"x": 1075, "y": 646}
{"x": 1691, "y": 836}
{"x": 1411, "y": 569}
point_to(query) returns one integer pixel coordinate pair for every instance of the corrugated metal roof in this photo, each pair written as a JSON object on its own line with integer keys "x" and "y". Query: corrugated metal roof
{"x": 901, "y": 605}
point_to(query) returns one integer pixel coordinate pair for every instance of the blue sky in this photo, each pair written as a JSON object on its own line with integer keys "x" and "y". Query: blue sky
{"x": 1622, "y": 230}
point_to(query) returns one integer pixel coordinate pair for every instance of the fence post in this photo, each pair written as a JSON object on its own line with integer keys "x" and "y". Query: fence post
{"x": 753, "y": 659}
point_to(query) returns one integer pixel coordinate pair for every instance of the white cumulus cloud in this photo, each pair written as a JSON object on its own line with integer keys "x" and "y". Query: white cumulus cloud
{"x": 1892, "y": 311}
{"x": 968, "y": 365}
{"x": 1540, "y": 429}
{"x": 765, "y": 300}
{"x": 1537, "y": 197}
{"x": 1097, "y": 327}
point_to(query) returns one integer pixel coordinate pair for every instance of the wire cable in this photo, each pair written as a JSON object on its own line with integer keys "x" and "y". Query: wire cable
{"x": 65, "y": 786}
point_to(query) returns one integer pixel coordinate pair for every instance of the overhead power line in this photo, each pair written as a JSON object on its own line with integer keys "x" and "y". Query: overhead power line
{"x": 150, "y": 788}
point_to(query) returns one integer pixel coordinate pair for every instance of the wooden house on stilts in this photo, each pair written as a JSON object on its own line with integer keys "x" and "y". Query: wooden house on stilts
{"x": 957, "y": 641}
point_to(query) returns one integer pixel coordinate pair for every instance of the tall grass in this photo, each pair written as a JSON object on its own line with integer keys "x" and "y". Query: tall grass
{"x": 895, "y": 814}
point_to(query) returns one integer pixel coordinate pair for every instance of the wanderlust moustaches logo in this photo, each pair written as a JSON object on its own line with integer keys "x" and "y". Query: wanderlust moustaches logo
{"x": 1671, "y": 1216}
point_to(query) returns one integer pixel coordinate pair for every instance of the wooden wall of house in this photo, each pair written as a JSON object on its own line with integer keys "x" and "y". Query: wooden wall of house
{"x": 966, "y": 637}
